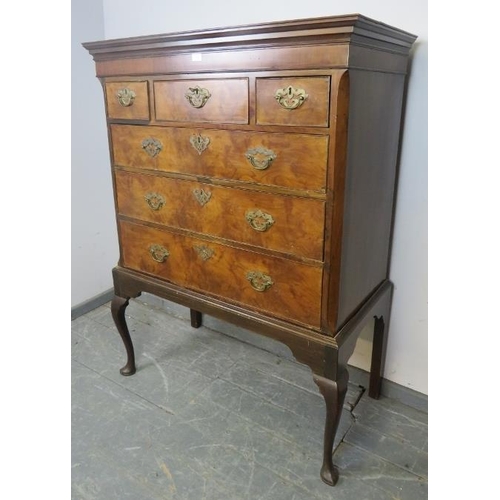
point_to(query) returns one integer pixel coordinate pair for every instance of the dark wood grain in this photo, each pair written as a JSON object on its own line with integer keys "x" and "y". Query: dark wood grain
{"x": 225, "y": 155}
{"x": 138, "y": 110}
{"x": 308, "y": 347}
{"x": 228, "y": 101}
{"x": 294, "y": 295}
{"x": 297, "y": 227}
{"x": 312, "y": 112}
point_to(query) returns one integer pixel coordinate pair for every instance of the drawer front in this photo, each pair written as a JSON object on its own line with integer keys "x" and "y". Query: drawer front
{"x": 293, "y": 101}
{"x": 127, "y": 100}
{"x": 291, "y": 161}
{"x": 283, "y": 223}
{"x": 221, "y": 101}
{"x": 276, "y": 286}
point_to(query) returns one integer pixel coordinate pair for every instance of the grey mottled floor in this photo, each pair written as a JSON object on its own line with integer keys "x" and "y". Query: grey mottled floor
{"x": 209, "y": 417}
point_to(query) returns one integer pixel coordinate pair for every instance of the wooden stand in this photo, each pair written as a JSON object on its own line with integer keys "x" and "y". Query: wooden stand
{"x": 330, "y": 371}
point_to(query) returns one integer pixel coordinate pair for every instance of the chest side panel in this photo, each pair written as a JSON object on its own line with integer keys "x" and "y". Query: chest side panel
{"x": 373, "y": 137}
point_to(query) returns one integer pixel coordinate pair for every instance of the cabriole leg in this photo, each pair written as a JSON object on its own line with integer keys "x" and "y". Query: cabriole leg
{"x": 118, "y": 306}
{"x": 334, "y": 392}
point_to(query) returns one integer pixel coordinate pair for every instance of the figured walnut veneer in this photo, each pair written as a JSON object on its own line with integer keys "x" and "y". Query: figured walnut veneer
{"x": 254, "y": 172}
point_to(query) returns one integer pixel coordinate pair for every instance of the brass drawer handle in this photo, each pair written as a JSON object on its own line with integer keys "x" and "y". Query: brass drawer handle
{"x": 197, "y": 96}
{"x": 159, "y": 253}
{"x": 152, "y": 146}
{"x": 259, "y": 281}
{"x": 199, "y": 143}
{"x": 154, "y": 200}
{"x": 259, "y": 220}
{"x": 204, "y": 252}
{"x": 260, "y": 158}
{"x": 202, "y": 196}
{"x": 125, "y": 97}
{"x": 290, "y": 97}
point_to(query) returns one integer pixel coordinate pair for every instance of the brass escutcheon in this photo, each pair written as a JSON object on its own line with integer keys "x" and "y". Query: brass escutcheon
{"x": 159, "y": 253}
{"x": 199, "y": 143}
{"x": 202, "y": 196}
{"x": 259, "y": 220}
{"x": 204, "y": 252}
{"x": 290, "y": 97}
{"x": 125, "y": 97}
{"x": 152, "y": 146}
{"x": 259, "y": 281}
{"x": 154, "y": 200}
{"x": 197, "y": 96}
{"x": 260, "y": 158}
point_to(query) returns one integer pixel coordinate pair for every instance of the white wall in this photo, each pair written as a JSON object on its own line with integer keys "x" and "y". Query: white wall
{"x": 406, "y": 362}
{"x": 94, "y": 243}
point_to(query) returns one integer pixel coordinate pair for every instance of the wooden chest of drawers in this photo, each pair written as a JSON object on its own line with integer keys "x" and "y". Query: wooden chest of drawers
{"x": 254, "y": 171}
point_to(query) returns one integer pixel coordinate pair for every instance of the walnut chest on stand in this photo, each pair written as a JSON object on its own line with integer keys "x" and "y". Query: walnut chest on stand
{"x": 254, "y": 173}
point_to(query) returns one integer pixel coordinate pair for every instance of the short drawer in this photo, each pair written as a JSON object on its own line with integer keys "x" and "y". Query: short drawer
{"x": 276, "y": 286}
{"x": 127, "y": 100}
{"x": 293, "y": 101}
{"x": 220, "y": 101}
{"x": 283, "y": 223}
{"x": 292, "y": 161}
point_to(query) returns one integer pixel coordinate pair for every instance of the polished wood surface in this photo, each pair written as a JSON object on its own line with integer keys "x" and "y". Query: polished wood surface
{"x": 299, "y": 44}
{"x": 375, "y": 98}
{"x": 334, "y": 392}
{"x": 339, "y": 108}
{"x": 298, "y": 222}
{"x": 294, "y": 294}
{"x": 313, "y": 111}
{"x": 138, "y": 110}
{"x": 118, "y": 307}
{"x": 319, "y": 178}
{"x": 228, "y": 101}
{"x": 309, "y": 346}
{"x": 249, "y": 60}
{"x": 301, "y": 160}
